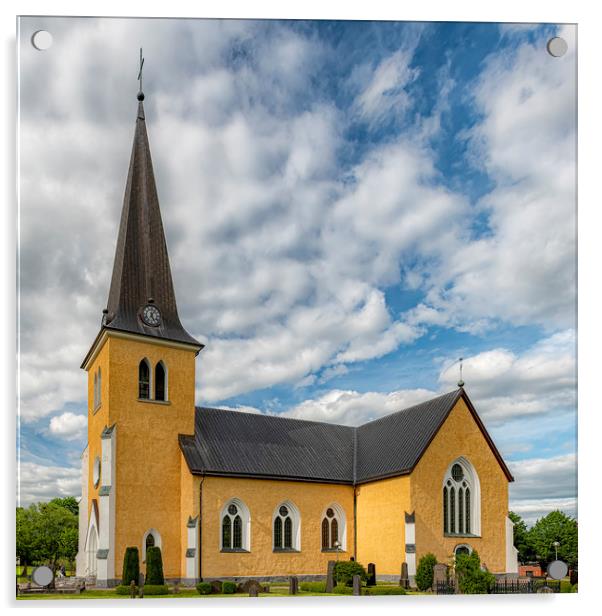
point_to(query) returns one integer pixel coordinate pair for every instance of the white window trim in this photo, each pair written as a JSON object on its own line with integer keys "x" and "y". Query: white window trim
{"x": 472, "y": 479}
{"x": 339, "y": 514}
{"x": 245, "y": 515}
{"x": 157, "y": 537}
{"x": 91, "y": 569}
{"x": 295, "y": 516}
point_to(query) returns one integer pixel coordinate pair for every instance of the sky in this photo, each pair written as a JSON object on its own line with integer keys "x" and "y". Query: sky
{"x": 350, "y": 207}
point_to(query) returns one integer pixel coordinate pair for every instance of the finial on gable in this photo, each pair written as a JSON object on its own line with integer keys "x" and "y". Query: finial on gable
{"x": 461, "y": 382}
{"x": 140, "y": 92}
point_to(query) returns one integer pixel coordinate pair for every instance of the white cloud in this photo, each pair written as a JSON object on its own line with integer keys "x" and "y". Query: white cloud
{"x": 68, "y": 426}
{"x": 37, "y": 482}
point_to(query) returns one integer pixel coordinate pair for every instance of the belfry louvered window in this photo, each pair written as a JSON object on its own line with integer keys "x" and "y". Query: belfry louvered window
{"x": 160, "y": 382}
{"x": 461, "y": 506}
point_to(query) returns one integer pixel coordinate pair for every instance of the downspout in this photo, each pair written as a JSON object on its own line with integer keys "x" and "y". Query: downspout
{"x": 354, "y": 494}
{"x": 201, "y": 529}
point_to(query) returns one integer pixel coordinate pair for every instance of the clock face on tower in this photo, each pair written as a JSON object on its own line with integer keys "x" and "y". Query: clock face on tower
{"x": 151, "y": 315}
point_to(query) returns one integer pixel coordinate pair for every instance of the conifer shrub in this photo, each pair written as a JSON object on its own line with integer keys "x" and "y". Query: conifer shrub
{"x": 131, "y": 566}
{"x": 204, "y": 588}
{"x": 344, "y": 570}
{"x": 154, "y": 568}
{"x": 472, "y": 580}
{"x": 229, "y": 588}
{"x": 424, "y": 571}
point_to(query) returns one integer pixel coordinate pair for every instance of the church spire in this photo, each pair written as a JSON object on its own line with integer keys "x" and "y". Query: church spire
{"x": 141, "y": 297}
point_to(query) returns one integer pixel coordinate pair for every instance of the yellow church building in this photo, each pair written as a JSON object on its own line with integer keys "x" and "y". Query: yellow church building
{"x": 235, "y": 495}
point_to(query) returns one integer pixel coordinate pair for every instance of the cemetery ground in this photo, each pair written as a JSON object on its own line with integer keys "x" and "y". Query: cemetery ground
{"x": 277, "y": 589}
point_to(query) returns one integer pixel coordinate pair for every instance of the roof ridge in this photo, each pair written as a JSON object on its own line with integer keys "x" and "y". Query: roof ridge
{"x": 409, "y": 408}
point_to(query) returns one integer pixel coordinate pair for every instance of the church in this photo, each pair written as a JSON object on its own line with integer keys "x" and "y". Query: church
{"x": 234, "y": 495}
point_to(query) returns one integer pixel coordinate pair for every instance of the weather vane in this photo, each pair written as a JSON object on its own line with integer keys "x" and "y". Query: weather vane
{"x": 140, "y": 93}
{"x": 461, "y": 382}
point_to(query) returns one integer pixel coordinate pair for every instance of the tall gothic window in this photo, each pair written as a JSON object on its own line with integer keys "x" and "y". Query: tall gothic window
{"x": 333, "y": 528}
{"x": 235, "y": 522}
{"x": 144, "y": 380}
{"x": 461, "y": 499}
{"x": 286, "y": 527}
{"x": 160, "y": 382}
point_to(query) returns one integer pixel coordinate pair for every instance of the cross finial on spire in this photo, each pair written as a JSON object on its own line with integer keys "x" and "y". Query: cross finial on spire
{"x": 140, "y": 92}
{"x": 461, "y": 382}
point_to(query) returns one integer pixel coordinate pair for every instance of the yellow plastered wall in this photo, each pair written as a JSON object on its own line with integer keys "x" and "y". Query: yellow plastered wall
{"x": 460, "y": 436}
{"x": 189, "y": 507}
{"x": 148, "y": 466}
{"x": 381, "y": 506}
{"x": 262, "y": 497}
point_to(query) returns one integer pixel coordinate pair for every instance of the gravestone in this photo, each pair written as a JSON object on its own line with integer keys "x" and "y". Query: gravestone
{"x": 357, "y": 585}
{"x": 132, "y": 589}
{"x": 247, "y": 585}
{"x": 293, "y": 585}
{"x": 176, "y": 588}
{"x": 254, "y": 590}
{"x": 216, "y": 587}
{"x": 544, "y": 589}
{"x": 404, "y": 580}
{"x": 371, "y": 575}
{"x": 439, "y": 574}
{"x": 330, "y": 576}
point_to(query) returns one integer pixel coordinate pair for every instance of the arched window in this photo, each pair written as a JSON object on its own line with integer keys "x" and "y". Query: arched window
{"x": 287, "y": 527}
{"x": 235, "y": 525}
{"x": 334, "y": 528}
{"x": 99, "y": 395}
{"x": 461, "y": 499}
{"x": 144, "y": 380}
{"x": 160, "y": 382}
{"x": 150, "y": 539}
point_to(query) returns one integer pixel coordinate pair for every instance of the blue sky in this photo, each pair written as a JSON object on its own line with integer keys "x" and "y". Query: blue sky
{"x": 349, "y": 207}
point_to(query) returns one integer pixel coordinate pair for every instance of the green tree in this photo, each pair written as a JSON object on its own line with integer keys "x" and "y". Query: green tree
{"x": 154, "y": 567}
{"x": 424, "y": 571}
{"x": 556, "y": 526}
{"x": 472, "y": 580}
{"x": 131, "y": 566}
{"x": 69, "y": 502}
{"x": 56, "y": 530}
{"x": 522, "y": 540}
{"x": 26, "y": 540}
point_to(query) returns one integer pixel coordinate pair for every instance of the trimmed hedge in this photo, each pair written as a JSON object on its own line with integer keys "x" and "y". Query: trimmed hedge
{"x": 566, "y": 586}
{"x": 313, "y": 586}
{"x": 154, "y": 567}
{"x": 229, "y": 588}
{"x": 341, "y": 589}
{"x": 344, "y": 571}
{"x": 424, "y": 571}
{"x": 204, "y": 588}
{"x": 122, "y": 589}
{"x": 131, "y": 566}
{"x": 384, "y": 590}
{"x": 156, "y": 589}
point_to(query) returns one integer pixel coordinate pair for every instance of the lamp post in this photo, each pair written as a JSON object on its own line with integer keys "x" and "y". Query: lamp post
{"x": 337, "y": 546}
{"x": 556, "y": 544}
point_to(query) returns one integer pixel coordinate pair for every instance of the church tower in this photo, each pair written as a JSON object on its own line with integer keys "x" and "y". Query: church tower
{"x": 141, "y": 387}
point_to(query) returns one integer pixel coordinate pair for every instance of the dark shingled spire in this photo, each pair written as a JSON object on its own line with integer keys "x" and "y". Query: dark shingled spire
{"x": 141, "y": 272}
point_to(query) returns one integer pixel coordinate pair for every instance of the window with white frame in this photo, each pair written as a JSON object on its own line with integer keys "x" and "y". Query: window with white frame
{"x": 286, "y": 525}
{"x": 235, "y": 527}
{"x": 461, "y": 499}
{"x": 144, "y": 380}
{"x": 333, "y": 528}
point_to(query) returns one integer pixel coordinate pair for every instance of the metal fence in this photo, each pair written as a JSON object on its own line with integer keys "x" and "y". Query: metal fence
{"x": 504, "y": 587}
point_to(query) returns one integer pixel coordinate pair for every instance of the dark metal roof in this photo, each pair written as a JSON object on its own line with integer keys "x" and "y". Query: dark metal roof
{"x": 141, "y": 269}
{"x": 242, "y": 444}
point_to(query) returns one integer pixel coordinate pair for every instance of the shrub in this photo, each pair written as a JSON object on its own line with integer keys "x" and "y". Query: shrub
{"x": 574, "y": 588}
{"x": 122, "y": 589}
{"x": 472, "y": 580}
{"x": 156, "y": 589}
{"x": 313, "y": 586}
{"x": 131, "y": 566}
{"x": 344, "y": 571}
{"x": 204, "y": 588}
{"x": 384, "y": 590}
{"x": 341, "y": 589}
{"x": 424, "y": 571}
{"x": 154, "y": 567}
{"x": 229, "y": 588}
{"x": 565, "y": 586}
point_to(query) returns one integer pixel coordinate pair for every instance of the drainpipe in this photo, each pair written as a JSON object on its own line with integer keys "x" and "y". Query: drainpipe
{"x": 355, "y": 522}
{"x": 201, "y": 529}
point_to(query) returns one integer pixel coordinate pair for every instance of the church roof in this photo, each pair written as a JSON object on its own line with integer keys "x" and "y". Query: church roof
{"x": 240, "y": 444}
{"x": 141, "y": 271}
